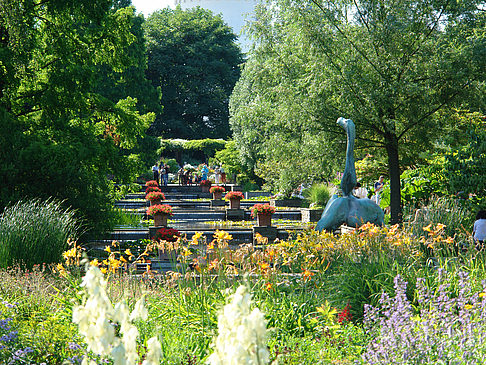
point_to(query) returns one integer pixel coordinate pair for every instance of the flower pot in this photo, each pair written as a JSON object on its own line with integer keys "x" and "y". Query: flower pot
{"x": 154, "y": 202}
{"x": 234, "y": 203}
{"x": 264, "y": 220}
{"x": 217, "y": 195}
{"x": 160, "y": 220}
{"x": 205, "y": 188}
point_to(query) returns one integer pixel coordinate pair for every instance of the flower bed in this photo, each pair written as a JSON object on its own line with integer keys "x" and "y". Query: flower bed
{"x": 234, "y": 195}
{"x": 154, "y": 196}
{"x": 151, "y": 189}
{"x": 205, "y": 183}
{"x": 151, "y": 183}
{"x": 167, "y": 234}
{"x": 262, "y": 209}
{"x": 216, "y": 189}
{"x": 160, "y": 209}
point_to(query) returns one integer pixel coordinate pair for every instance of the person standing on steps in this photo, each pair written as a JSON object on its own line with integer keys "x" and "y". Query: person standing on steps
{"x": 155, "y": 171}
{"x": 223, "y": 176}
{"x": 204, "y": 172}
{"x": 217, "y": 175}
{"x": 165, "y": 174}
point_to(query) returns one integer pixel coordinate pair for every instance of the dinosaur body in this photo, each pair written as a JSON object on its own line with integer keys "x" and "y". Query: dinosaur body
{"x": 348, "y": 209}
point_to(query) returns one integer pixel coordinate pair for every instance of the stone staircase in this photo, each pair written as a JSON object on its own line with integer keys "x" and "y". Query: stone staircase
{"x": 192, "y": 210}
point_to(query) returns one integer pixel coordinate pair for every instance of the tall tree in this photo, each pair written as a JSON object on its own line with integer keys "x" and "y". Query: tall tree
{"x": 61, "y": 133}
{"x": 388, "y": 65}
{"x": 193, "y": 58}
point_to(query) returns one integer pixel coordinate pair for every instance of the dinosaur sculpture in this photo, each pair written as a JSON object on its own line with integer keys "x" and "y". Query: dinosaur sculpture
{"x": 348, "y": 209}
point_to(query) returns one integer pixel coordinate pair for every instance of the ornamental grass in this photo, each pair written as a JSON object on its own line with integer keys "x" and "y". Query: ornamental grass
{"x": 36, "y": 232}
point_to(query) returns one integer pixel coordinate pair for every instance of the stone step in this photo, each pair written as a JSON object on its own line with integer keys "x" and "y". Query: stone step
{"x": 240, "y": 235}
{"x": 188, "y": 189}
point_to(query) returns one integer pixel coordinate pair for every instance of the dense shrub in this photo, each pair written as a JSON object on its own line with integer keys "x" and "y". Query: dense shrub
{"x": 34, "y": 232}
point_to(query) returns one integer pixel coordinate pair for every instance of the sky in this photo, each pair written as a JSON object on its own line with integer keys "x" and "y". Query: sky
{"x": 148, "y": 6}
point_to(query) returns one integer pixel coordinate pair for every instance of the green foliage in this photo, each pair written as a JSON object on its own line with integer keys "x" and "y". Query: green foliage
{"x": 446, "y": 210}
{"x": 193, "y": 58}
{"x": 389, "y": 66}
{"x": 464, "y": 168}
{"x": 35, "y": 232}
{"x": 319, "y": 194}
{"x": 67, "y": 121}
{"x": 197, "y": 149}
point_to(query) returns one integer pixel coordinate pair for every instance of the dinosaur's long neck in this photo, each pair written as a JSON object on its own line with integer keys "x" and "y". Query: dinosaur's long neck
{"x": 348, "y": 181}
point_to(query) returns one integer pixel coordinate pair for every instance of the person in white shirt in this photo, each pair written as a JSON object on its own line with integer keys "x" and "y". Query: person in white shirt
{"x": 155, "y": 170}
{"x": 360, "y": 192}
{"x": 479, "y": 230}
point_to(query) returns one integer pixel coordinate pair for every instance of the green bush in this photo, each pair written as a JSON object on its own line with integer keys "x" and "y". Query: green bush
{"x": 319, "y": 194}
{"x": 35, "y": 232}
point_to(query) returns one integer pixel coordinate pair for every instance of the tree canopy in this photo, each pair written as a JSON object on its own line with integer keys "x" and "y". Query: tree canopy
{"x": 388, "y": 65}
{"x": 193, "y": 58}
{"x": 66, "y": 112}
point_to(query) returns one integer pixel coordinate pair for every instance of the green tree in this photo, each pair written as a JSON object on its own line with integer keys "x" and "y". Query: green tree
{"x": 61, "y": 133}
{"x": 193, "y": 58}
{"x": 388, "y": 65}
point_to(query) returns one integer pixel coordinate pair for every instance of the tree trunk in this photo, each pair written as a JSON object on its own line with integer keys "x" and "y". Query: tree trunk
{"x": 394, "y": 175}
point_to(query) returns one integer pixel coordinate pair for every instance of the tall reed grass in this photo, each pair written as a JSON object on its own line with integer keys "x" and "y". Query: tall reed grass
{"x": 319, "y": 194}
{"x": 35, "y": 232}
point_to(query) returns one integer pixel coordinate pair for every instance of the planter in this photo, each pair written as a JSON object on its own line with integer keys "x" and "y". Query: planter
{"x": 160, "y": 220}
{"x": 264, "y": 220}
{"x": 217, "y": 195}
{"x": 235, "y": 203}
{"x": 205, "y": 189}
{"x": 155, "y": 202}
{"x": 294, "y": 203}
{"x": 311, "y": 215}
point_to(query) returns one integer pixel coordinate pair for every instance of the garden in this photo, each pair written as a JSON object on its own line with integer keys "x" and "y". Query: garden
{"x": 125, "y": 240}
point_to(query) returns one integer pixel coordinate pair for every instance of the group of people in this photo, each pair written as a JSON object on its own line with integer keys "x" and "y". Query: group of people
{"x": 361, "y": 192}
{"x": 188, "y": 177}
{"x": 161, "y": 173}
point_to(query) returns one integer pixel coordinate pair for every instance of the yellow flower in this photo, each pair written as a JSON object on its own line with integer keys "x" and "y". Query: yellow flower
{"x": 104, "y": 270}
{"x": 268, "y": 286}
{"x": 468, "y": 306}
{"x": 196, "y": 237}
{"x": 213, "y": 265}
{"x": 482, "y": 295}
{"x": 108, "y": 249}
{"x": 94, "y": 262}
{"x": 128, "y": 252}
{"x": 428, "y": 228}
{"x": 449, "y": 240}
{"x": 222, "y": 235}
{"x": 69, "y": 253}
{"x": 62, "y": 271}
{"x": 122, "y": 259}
{"x": 306, "y": 274}
{"x": 186, "y": 252}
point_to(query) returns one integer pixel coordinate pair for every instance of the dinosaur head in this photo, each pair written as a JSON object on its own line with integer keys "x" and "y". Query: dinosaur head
{"x": 346, "y": 123}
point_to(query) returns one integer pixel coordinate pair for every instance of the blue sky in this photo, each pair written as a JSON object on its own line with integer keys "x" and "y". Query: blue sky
{"x": 148, "y": 6}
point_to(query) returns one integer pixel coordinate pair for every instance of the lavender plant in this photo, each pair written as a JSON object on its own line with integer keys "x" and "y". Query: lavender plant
{"x": 447, "y": 326}
{"x": 10, "y": 349}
